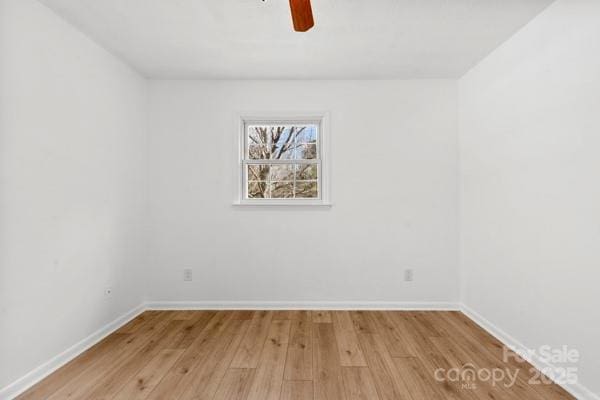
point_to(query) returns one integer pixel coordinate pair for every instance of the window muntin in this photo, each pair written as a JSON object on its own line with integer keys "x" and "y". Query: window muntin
{"x": 281, "y": 161}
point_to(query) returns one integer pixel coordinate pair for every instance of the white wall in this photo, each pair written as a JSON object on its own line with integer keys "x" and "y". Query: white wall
{"x": 530, "y": 187}
{"x": 394, "y": 188}
{"x": 72, "y": 128}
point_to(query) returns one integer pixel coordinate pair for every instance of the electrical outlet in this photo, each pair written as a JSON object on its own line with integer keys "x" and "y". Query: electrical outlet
{"x": 408, "y": 275}
{"x": 187, "y": 274}
{"x": 108, "y": 291}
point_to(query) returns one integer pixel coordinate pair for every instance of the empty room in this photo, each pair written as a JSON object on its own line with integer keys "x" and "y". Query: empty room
{"x": 299, "y": 199}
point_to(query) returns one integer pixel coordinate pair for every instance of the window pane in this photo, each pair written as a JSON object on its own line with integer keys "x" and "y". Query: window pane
{"x": 306, "y": 172}
{"x": 258, "y": 190}
{"x": 258, "y": 142}
{"x": 258, "y": 172}
{"x": 306, "y": 152}
{"x": 282, "y": 190}
{"x": 257, "y": 135}
{"x": 281, "y": 142}
{"x": 307, "y": 134}
{"x": 282, "y": 172}
{"x": 306, "y": 189}
{"x": 256, "y": 152}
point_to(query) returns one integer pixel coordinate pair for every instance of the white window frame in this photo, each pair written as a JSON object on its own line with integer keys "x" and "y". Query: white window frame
{"x": 323, "y": 159}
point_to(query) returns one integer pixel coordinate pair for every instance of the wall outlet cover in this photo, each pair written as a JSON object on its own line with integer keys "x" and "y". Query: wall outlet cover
{"x": 187, "y": 274}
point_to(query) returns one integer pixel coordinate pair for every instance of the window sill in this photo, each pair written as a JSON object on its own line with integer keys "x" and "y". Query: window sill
{"x": 278, "y": 203}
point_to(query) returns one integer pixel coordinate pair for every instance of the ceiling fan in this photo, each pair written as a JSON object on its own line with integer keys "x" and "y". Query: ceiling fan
{"x": 302, "y": 16}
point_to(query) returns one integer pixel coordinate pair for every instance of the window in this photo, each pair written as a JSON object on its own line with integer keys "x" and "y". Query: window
{"x": 282, "y": 162}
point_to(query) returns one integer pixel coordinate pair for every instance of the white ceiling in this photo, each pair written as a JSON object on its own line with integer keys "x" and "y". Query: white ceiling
{"x": 252, "y": 39}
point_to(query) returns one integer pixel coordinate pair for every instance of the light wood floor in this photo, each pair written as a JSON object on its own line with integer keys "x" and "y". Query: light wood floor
{"x": 290, "y": 355}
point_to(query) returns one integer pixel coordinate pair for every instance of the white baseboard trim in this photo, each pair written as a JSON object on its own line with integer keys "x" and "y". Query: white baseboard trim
{"x": 25, "y": 382}
{"x": 299, "y": 305}
{"x": 578, "y": 390}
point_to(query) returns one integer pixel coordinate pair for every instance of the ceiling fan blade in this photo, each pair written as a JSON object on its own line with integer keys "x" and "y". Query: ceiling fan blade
{"x": 301, "y": 15}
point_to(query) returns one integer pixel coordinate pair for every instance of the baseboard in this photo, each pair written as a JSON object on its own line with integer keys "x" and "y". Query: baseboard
{"x": 578, "y": 390}
{"x": 25, "y": 382}
{"x": 299, "y": 305}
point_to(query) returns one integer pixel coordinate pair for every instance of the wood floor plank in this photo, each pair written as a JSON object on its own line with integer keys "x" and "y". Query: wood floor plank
{"x": 363, "y": 322}
{"x": 251, "y": 347}
{"x": 203, "y": 381}
{"x": 92, "y": 377}
{"x": 123, "y": 371}
{"x": 170, "y": 386}
{"x": 420, "y": 384}
{"x": 328, "y": 379}
{"x": 299, "y": 362}
{"x": 191, "y": 330}
{"x": 349, "y": 350}
{"x": 359, "y": 384}
{"x": 94, "y": 358}
{"x": 388, "y": 380}
{"x": 394, "y": 335}
{"x": 235, "y": 384}
{"x": 455, "y": 324}
{"x": 297, "y": 390}
{"x": 74, "y": 368}
{"x": 144, "y": 381}
{"x": 243, "y": 314}
{"x": 184, "y": 314}
{"x": 177, "y": 379}
{"x": 417, "y": 340}
{"x": 268, "y": 379}
{"x": 424, "y": 324}
{"x": 292, "y": 315}
{"x": 321, "y": 316}
{"x": 481, "y": 389}
{"x": 433, "y": 361}
{"x": 431, "y": 358}
{"x": 135, "y": 324}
